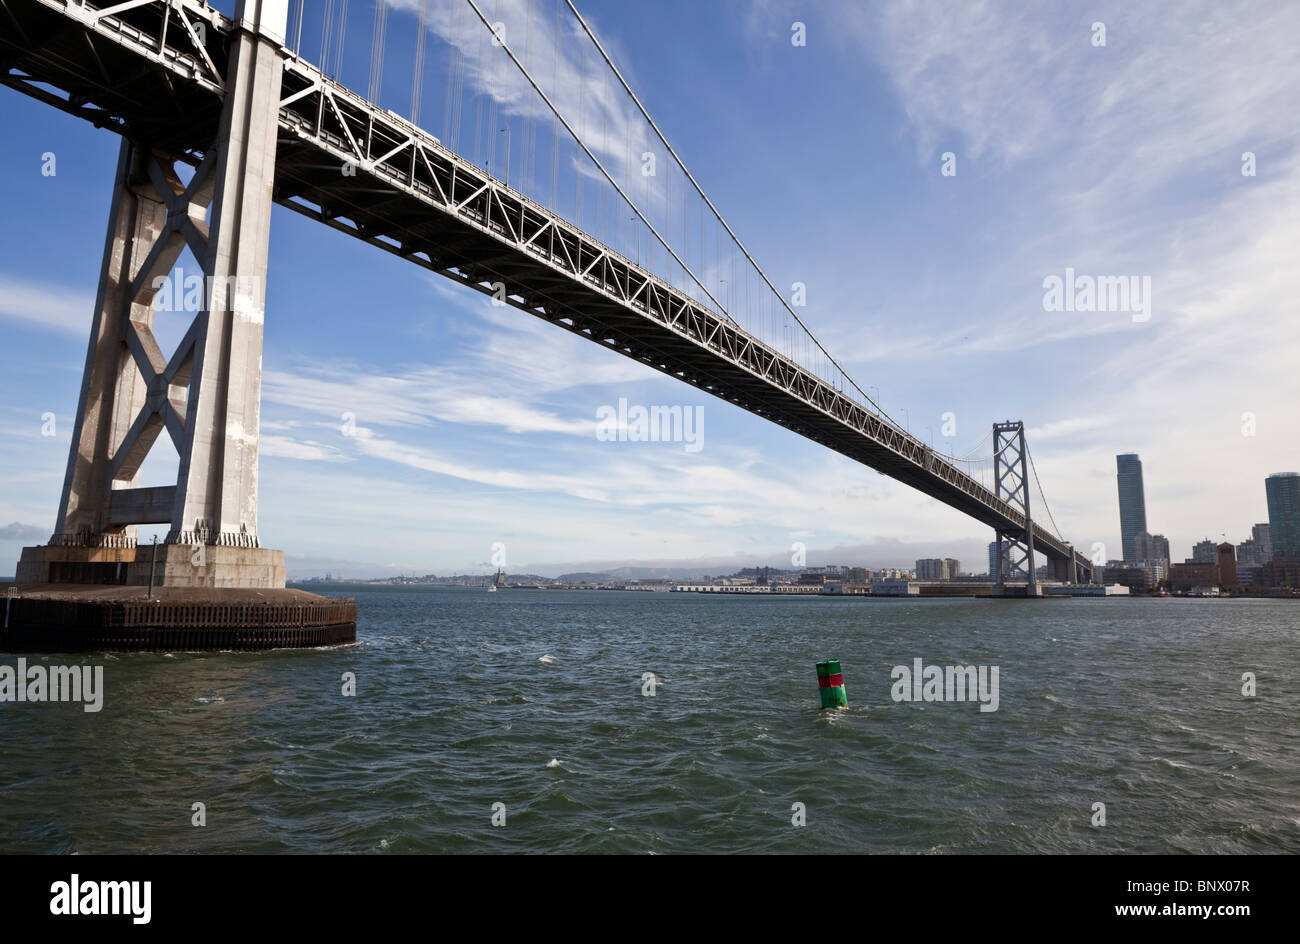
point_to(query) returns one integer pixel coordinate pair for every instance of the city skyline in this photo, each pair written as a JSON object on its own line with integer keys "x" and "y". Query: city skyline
{"x": 476, "y": 426}
{"x": 873, "y": 558}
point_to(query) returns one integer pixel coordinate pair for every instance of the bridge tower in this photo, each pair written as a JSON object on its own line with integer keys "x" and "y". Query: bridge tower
{"x": 1011, "y": 484}
{"x": 206, "y": 396}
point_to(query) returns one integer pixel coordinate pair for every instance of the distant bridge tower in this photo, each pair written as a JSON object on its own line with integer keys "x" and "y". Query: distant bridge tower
{"x": 1011, "y": 483}
{"x": 206, "y": 396}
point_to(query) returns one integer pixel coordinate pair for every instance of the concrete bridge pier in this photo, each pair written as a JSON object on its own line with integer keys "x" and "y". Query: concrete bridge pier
{"x": 1063, "y": 570}
{"x": 206, "y": 396}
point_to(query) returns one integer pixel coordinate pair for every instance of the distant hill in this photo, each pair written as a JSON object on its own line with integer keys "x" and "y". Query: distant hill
{"x": 638, "y": 573}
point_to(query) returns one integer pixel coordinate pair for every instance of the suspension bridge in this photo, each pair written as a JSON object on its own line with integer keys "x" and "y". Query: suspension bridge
{"x": 548, "y": 186}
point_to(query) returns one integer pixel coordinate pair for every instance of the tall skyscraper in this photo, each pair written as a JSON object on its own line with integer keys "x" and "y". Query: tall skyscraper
{"x": 1132, "y": 502}
{"x": 1283, "y": 492}
{"x": 993, "y": 558}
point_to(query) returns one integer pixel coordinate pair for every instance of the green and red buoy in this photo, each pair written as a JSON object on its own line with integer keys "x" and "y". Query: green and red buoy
{"x": 830, "y": 682}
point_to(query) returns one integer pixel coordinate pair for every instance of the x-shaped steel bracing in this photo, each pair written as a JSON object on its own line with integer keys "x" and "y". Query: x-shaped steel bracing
{"x": 167, "y": 380}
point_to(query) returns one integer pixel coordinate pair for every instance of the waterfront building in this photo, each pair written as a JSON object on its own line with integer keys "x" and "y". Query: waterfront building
{"x": 1193, "y": 576}
{"x": 929, "y": 568}
{"x": 1158, "y": 568}
{"x": 1280, "y": 572}
{"x": 937, "y": 568}
{"x": 1131, "y": 574}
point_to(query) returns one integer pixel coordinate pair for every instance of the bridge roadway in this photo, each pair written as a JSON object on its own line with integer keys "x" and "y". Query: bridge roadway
{"x": 363, "y": 170}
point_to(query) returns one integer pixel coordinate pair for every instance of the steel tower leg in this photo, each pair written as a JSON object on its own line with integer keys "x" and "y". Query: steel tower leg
{"x": 216, "y": 492}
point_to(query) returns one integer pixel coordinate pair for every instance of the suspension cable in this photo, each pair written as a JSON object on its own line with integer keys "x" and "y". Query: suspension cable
{"x": 1043, "y": 495}
{"x": 967, "y": 456}
{"x": 595, "y": 160}
{"x": 717, "y": 215}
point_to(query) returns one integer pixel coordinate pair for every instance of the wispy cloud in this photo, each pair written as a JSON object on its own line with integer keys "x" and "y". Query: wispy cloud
{"x": 284, "y": 447}
{"x": 44, "y": 305}
{"x": 559, "y": 57}
{"x": 1067, "y": 427}
{"x": 1117, "y": 159}
{"x": 416, "y": 397}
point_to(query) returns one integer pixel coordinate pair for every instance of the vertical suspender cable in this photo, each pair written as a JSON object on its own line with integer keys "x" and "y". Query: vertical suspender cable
{"x": 478, "y": 108}
{"x": 734, "y": 237}
{"x": 555, "y": 119}
{"x": 490, "y": 129}
{"x": 582, "y": 129}
{"x": 326, "y": 34}
{"x": 452, "y": 50}
{"x": 417, "y": 80}
{"x": 456, "y": 83}
{"x": 297, "y": 30}
{"x": 338, "y": 41}
{"x": 522, "y": 176}
{"x": 380, "y": 27}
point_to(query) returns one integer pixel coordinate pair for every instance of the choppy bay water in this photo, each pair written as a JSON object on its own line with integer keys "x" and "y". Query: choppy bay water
{"x": 1136, "y": 704}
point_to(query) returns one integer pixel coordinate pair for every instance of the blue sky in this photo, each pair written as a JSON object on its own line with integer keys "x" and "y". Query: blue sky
{"x": 478, "y": 424}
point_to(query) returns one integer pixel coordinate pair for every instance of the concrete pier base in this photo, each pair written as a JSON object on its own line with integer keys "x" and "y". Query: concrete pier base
{"x": 1017, "y": 591}
{"x": 171, "y": 565}
{"x": 89, "y": 618}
